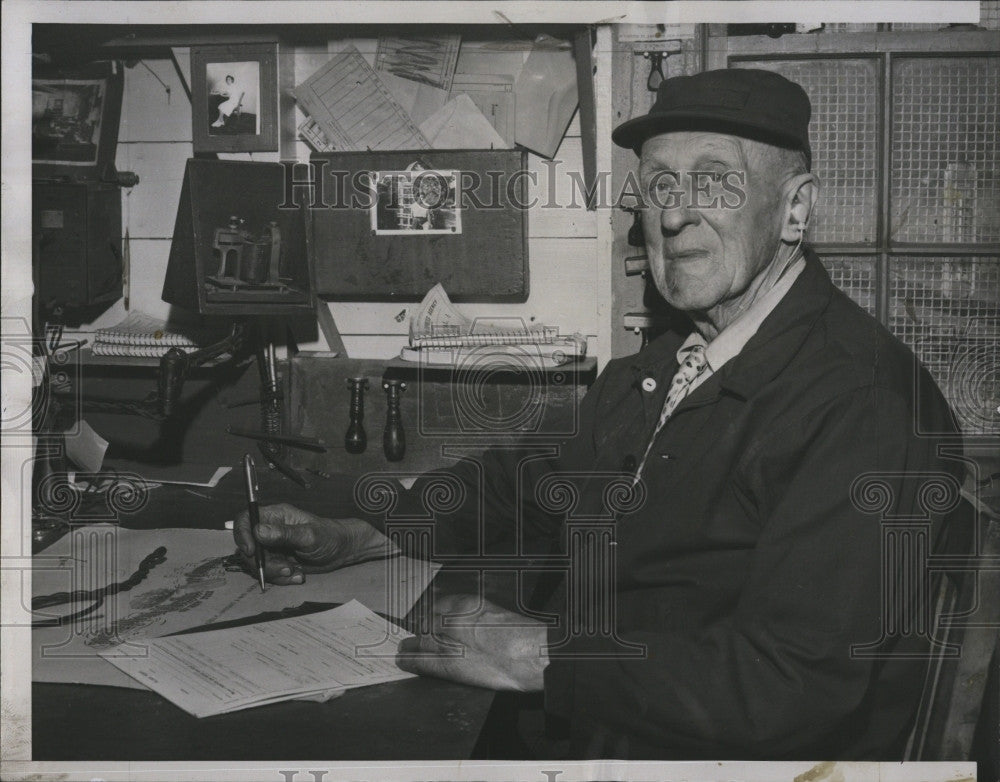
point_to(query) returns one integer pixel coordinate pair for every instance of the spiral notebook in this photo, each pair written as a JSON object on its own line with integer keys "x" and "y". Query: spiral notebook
{"x": 437, "y": 323}
{"x": 136, "y": 351}
{"x": 138, "y": 328}
{"x": 142, "y": 335}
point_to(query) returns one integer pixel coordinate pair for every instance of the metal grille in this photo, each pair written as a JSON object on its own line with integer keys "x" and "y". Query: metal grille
{"x": 948, "y": 311}
{"x": 989, "y": 14}
{"x": 855, "y": 277}
{"x": 946, "y": 118}
{"x": 844, "y": 137}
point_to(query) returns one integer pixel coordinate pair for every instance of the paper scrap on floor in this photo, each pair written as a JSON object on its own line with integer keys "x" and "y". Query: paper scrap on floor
{"x": 85, "y": 447}
{"x": 195, "y": 585}
{"x": 314, "y": 656}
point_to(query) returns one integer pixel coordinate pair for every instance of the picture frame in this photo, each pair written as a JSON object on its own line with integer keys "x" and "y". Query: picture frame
{"x": 75, "y": 114}
{"x": 234, "y": 98}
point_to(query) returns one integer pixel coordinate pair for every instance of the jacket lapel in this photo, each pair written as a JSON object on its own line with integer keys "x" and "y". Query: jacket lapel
{"x": 782, "y": 333}
{"x": 657, "y": 364}
{"x": 762, "y": 359}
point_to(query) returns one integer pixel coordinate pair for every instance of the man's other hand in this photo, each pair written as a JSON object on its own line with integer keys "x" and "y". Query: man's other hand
{"x": 476, "y": 642}
{"x": 297, "y": 542}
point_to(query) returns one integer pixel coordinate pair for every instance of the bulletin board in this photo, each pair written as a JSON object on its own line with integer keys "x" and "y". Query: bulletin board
{"x": 387, "y": 226}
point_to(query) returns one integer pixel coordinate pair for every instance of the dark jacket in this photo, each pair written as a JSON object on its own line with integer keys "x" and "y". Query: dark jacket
{"x": 750, "y": 570}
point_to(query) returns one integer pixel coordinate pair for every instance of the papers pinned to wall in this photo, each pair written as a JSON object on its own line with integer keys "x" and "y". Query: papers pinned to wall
{"x": 421, "y": 94}
{"x": 459, "y": 123}
{"x": 493, "y": 94}
{"x": 418, "y": 100}
{"x": 428, "y": 60}
{"x": 313, "y": 135}
{"x": 546, "y": 96}
{"x": 355, "y": 109}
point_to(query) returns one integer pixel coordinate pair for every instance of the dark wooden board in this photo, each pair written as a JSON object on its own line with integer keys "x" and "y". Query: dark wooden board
{"x": 486, "y": 261}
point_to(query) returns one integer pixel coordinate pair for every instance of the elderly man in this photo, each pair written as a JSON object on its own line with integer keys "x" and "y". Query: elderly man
{"x": 747, "y": 573}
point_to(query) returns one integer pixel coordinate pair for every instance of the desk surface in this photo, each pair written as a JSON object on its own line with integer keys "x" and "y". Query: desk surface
{"x": 414, "y": 719}
{"x": 411, "y": 719}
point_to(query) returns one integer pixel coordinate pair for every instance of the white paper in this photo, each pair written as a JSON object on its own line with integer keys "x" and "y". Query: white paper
{"x": 192, "y": 587}
{"x": 211, "y": 483}
{"x": 220, "y": 671}
{"x": 356, "y": 111}
{"x": 546, "y": 97}
{"x": 426, "y": 59}
{"x": 86, "y": 448}
{"x": 459, "y": 124}
{"x": 636, "y": 33}
{"x": 494, "y": 95}
{"x": 437, "y": 316}
{"x": 418, "y": 100}
{"x": 313, "y": 135}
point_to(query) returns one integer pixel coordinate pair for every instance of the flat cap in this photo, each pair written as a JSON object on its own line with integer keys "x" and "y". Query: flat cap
{"x": 746, "y": 102}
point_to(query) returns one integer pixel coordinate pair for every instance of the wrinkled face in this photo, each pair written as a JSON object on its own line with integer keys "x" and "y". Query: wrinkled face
{"x": 705, "y": 247}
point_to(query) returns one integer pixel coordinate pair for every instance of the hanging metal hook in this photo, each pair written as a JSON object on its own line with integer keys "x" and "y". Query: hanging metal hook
{"x": 656, "y": 76}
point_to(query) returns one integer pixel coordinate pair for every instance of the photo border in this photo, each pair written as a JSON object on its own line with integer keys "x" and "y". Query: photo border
{"x": 266, "y": 55}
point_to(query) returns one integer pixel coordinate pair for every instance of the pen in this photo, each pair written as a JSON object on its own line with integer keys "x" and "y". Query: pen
{"x": 250, "y": 473}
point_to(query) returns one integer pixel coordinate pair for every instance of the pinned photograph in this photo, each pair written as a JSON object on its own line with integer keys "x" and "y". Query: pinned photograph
{"x": 66, "y": 120}
{"x": 415, "y": 201}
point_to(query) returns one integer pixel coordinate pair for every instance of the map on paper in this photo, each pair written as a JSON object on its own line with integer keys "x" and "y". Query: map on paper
{"x": 197, "y": 583}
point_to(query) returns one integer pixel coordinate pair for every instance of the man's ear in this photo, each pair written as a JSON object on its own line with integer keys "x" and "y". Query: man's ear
{"x": 800, "y": 195}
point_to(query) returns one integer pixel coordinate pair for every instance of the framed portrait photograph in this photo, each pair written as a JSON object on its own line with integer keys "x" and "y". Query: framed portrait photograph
{"x": 234, "y": 102}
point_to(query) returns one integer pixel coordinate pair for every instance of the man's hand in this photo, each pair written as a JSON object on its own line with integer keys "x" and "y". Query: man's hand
{"x": 481, "y": 644}
{"x": 297, "y": 542}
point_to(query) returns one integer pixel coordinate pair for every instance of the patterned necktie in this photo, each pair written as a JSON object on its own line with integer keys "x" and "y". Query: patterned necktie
{"x": 690, "y": 368}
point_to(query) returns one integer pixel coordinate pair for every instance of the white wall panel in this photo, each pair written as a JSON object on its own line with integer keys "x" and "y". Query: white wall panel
{"x": 149, "y": 112}
{"x": 559, "y": 206}
{"x": 150, "y": 207}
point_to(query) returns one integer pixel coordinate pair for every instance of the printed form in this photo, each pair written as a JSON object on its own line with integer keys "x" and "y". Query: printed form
{"x": 354, "y": 108}
{"x": 316, "y": 656}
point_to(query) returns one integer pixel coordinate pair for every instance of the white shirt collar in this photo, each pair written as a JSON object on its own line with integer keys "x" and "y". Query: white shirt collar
{"x": 730, "y": 341}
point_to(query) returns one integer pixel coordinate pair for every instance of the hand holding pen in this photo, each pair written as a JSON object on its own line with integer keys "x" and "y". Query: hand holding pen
{"x": 253, "y": 511}
{"x": 299, "y": 542}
